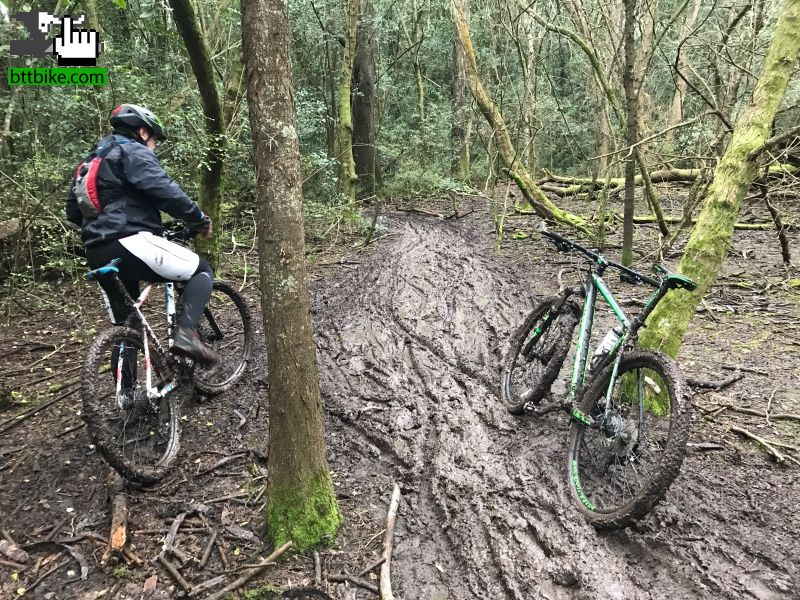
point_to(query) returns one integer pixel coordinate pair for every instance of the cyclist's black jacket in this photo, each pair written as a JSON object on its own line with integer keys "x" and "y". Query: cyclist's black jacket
{"x": 132, "y": 188}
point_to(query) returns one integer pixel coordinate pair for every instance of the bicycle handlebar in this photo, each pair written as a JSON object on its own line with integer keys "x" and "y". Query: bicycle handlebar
{"x": 181, "y": 233}
{"x": 565, "y": 245}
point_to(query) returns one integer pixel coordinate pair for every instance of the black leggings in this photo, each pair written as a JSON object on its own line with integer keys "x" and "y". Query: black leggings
{"x": 132, "y": 270}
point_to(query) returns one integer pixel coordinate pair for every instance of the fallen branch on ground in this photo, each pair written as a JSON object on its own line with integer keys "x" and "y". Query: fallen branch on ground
{"x": 714, "y": 385}
{"x": 391, "y": 520}
{"x": 362, "y": 583}
{"x": 119, "y": 515}
{"x": 187, "y": 587}
{"x": 764, "y": 443}
{"x": 255, "y": 572}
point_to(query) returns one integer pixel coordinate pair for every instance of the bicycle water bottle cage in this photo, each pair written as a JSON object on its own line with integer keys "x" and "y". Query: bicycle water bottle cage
{"x": 674, "y": 280}
{"x": 109, "y": 268}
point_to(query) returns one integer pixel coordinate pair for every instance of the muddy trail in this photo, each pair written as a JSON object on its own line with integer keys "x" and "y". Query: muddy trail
{"x": 410, "y": 345}
{"x": 410, "y": 336}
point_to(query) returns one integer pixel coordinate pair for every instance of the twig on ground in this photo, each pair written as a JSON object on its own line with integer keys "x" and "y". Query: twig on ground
{"x": 764, "y": 443}
{"x": 255, "y": 572}
{"x": 187, "y": 587}
{"x": 758, "y": 413}
{"x": 44, "y": 576}
{"x": 222, "y": 556}
{"x": 221, "y": 462}
{"x": 16, "y": 420}
{"x": 745, "y": 369}
{"x": 363, "y": 583}
{"x": 69, "y": 430}
{"x": 317, "y": 569}
{"x": 714, "y": 385}
{"x": 207, "y": 585}
{"x": 56, "y": 529}
{"x": 421, "y": 211}
{"x": 209, "y": 548}
{"x": 703, "y": 446}
{"x": 225, "y": 498}
{"x": 45, "y": 357}
{"x": 391, "y": 520}
{"x": 372, "y": 567}
{"x": 769, "y": 405}
{"x": 13, "y": 565}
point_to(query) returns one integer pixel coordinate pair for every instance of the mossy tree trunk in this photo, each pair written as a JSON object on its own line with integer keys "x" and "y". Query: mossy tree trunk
{"x": 301, "y": 505}
{"x": 711, "y": 236}
{"x": 513, "y": 163}
{"x": 210, "y": 172}
{"x": 631, "y": 130}
{"x": 344, "y": 126}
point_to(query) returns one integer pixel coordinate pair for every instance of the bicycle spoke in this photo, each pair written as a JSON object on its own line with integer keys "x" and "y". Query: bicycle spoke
{"x": 620, "y": 459}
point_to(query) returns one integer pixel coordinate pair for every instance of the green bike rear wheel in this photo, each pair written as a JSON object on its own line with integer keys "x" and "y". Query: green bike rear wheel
{"x": 537, "y": 352}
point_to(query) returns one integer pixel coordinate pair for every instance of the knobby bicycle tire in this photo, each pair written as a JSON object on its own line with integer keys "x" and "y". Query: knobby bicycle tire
{"x": 109, "y": 424}
{"x": 231, "y": 367}
{"x": 548, "y": 354}
{"x": 671, "y": 448}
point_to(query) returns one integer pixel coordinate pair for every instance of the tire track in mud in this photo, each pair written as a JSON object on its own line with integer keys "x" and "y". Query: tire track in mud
{"x": 410, "y": 344}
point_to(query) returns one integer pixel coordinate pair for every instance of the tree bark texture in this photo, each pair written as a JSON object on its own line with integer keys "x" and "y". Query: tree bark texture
{"x": 365, "y": 99}
{"x": 211, "y": 171}
{"x": 460, "y": 159}
{"x": 631, "y": 130}
{"x": 709, "y": 241}
{"x": 516, "y": 169}
{"x": 301, "y": 505}
{"x": 344, "y": 126}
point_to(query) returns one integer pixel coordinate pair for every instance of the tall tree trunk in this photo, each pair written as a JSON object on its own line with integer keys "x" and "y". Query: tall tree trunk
{"x": 344, "y": 126}
{"x": 708, "y": 244}
{"x": 631, "y": 130}
{"x": 211, "y": 172}
{"x": 301, "y": 505}
{"x": 515, "y": 165}
{"x": 365, "y": 99}
{"x": 681, "y": 87}
{"x": 459, "y": 161}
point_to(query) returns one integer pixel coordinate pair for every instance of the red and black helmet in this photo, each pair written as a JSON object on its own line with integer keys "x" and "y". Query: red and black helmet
{"x": 133, "y": 116}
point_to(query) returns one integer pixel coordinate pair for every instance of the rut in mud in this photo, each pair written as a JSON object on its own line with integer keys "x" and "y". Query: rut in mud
{"x": 410, "y": 344}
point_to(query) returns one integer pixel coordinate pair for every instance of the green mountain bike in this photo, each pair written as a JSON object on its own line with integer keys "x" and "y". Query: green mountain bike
{"x": 630, "y": 407}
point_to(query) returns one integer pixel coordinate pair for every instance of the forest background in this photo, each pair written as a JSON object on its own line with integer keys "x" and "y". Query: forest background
{"x": 554, "y": 71}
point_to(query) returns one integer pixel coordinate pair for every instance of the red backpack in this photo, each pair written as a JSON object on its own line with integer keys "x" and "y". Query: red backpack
{"x": 85, "y": 186}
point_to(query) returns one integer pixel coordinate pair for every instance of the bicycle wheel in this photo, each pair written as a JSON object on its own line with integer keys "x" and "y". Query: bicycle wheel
{"x": 538, "y": 349}
{"x": 226, "y": 327}
{"x": 137, "y": 436}
{"x": 622, "y": 466}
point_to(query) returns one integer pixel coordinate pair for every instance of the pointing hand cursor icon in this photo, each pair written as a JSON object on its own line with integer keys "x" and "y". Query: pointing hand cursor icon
{"x": 76, "y": 47}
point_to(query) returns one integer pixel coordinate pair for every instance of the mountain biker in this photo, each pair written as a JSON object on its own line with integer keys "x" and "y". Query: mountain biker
{"x": 132, "y": 189}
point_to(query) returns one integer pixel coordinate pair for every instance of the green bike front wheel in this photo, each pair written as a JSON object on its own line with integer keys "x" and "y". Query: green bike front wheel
{"x": 622, "y": 466}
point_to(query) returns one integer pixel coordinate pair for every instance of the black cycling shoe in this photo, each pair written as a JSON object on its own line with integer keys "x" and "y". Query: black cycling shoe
{"x": 187, "y": 343}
